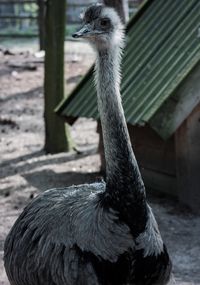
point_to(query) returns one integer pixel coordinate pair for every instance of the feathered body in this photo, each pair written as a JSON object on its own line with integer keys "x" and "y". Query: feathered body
{"x": 101, "y": 233}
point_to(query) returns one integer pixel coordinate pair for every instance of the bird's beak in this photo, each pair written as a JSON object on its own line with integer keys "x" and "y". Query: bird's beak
{"x": 83, "y": 32}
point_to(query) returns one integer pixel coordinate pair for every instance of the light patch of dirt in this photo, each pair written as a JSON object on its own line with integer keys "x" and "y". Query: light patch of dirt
{"x": 25, "y": 170}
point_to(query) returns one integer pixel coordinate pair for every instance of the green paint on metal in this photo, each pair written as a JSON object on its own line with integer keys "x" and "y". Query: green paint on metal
{"x": 162, "y": 48}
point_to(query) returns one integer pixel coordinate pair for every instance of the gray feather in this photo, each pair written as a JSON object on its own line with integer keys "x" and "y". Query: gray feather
{"x": 49, "y": 227}
{"x": 50, "y": 242}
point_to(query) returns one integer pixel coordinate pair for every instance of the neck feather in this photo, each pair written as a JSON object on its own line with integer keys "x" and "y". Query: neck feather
{"x": 121, "y": 166}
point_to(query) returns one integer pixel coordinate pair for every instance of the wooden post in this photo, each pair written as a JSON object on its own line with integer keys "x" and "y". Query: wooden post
{"x": 57, "y": 138}
{"x": 188, "y": 160}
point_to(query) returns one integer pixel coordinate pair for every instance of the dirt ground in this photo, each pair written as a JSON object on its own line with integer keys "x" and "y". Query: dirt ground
{"x": 25, "y": 169}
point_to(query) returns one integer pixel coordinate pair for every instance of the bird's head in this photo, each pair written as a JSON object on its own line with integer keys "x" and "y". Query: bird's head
{"x": 102, "y": 27}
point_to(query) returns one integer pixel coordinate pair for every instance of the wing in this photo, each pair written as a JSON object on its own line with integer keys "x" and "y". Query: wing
{"x": 58, "y": 235}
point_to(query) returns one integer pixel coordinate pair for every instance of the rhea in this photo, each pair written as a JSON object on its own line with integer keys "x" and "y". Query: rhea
{"x": 101, "y": 233}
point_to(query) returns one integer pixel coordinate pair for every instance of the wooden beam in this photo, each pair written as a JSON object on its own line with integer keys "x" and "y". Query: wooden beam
{"x": 179, "y": 106}
{"x": 10, "y": 35}
{"x": 77, "y": 5}
{"x": 188, "y": 160}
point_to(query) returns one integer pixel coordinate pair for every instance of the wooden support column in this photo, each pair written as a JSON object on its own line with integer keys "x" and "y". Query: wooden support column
{"x": 188, "y": 161}
{"x": 57, "y": 135}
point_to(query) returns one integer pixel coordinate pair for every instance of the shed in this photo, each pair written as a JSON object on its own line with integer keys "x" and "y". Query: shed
{"x": 161, "y": 96}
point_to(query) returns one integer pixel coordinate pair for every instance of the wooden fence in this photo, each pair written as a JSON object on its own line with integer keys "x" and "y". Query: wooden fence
{"x": 18, "y": 22}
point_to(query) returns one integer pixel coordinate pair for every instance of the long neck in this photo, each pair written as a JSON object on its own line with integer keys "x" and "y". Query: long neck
{"x": 121, "y": 166}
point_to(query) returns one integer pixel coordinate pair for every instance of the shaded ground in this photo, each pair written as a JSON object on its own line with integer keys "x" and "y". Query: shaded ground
{"x": 25, "y": 170}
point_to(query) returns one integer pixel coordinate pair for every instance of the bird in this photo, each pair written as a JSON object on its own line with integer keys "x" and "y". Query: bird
{"x": 103, "y": 233}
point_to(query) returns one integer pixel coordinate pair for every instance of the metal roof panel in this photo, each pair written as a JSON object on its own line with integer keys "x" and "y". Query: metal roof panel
{"x": 162, "y": 46}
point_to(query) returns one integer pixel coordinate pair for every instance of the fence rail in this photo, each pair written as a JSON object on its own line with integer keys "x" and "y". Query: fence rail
{"x": 17, "y": 2}
{"x": 18, "y": 17}
{"x": 15, "y": 22}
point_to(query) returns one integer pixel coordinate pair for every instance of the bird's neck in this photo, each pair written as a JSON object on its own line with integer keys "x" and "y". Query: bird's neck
{"x": 122, "y": 171}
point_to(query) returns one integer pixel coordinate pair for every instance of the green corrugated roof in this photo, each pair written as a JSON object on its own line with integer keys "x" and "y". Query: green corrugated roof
{"x": 163, "y": 46}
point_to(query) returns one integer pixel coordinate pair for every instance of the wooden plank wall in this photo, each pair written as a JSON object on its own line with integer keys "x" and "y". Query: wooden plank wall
{"x": 156, "y": 159}
{"x": 188, "y": 160}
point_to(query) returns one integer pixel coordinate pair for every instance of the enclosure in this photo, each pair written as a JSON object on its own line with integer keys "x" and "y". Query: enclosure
{"x": 26, "y": 170}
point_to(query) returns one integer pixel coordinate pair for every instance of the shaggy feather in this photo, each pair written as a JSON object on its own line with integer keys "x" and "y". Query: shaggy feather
{"x": 93, "y": 234}
{"x": 56, "y": 222}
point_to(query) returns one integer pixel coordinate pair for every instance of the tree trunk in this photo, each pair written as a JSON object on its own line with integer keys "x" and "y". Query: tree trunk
{"x": 41, "y": 23}
{"x": 57, "y": 137}
{"x": 121, "y": 6}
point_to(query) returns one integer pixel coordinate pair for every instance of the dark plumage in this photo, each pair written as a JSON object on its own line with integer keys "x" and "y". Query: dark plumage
{"x": 93, "y": 13}
{"x": 101, "y": 233}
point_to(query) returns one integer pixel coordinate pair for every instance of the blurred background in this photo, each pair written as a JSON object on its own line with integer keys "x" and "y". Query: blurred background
{"x": 25, "y": 18}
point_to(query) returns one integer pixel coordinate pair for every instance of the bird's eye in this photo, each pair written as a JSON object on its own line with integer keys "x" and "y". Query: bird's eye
{"x": 104, "y": 22}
